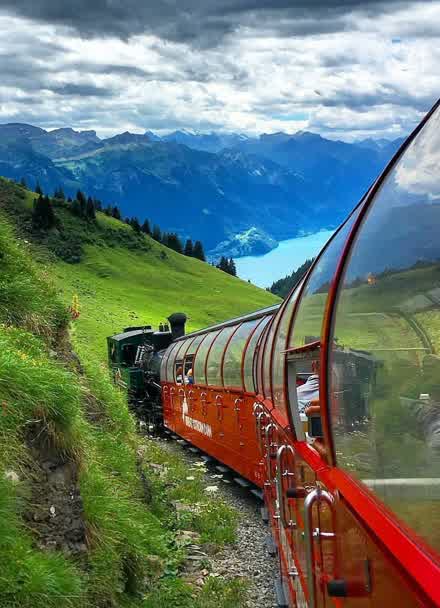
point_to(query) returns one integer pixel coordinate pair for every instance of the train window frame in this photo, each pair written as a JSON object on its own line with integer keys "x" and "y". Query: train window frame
{"x": 203, "y": 342}
{"x": 242, "y": 341}
{"x": 169, "y": 375}
{"x": 249, "y": 355}
{"x": 278, "y": 355}
{"x": 217, "y": 343}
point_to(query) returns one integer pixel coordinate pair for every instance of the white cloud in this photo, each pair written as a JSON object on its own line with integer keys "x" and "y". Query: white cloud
{"x": 375, "y": 77}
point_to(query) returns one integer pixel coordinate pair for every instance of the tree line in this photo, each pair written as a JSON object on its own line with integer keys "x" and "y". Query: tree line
{"x": 43, "y": 218}
{"x": 283, "y": 286}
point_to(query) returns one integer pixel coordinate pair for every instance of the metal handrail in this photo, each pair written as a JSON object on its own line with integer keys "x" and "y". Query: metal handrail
{"x": 314, "y": 496}
{"x": 269, "y": 427}
{"x": 279, "y": 485}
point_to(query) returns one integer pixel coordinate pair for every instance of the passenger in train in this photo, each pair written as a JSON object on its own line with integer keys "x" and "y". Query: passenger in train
{"x": 309, "y": 391}
{"x": 189, "y": 377}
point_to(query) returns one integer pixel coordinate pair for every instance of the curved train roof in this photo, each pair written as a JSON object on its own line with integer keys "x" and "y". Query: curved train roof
{"x": 262, "y": 312}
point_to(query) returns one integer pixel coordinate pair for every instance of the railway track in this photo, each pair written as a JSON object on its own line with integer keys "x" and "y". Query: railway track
{"x": 252, "y": 556}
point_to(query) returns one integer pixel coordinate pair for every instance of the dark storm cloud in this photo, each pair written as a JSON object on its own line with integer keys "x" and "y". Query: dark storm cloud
{"x": 203, "y": 22}
{"x": 80, "y": 90}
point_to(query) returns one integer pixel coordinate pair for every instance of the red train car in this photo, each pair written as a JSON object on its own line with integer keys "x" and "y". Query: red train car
{"x": 351, "y": 477}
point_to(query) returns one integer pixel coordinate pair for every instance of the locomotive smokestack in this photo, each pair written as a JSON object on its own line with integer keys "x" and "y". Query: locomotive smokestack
{"x": 177, "y": 322}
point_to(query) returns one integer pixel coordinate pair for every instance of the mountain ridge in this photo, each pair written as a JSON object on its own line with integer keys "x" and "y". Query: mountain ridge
{"x": 210, "y": 186}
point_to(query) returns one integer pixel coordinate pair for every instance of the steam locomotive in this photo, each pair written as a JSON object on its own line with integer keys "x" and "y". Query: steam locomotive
{"x": 351, "y": 482}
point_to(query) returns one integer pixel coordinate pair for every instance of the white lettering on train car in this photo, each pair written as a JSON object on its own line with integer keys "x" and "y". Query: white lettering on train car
{"x": 192, "y": 423}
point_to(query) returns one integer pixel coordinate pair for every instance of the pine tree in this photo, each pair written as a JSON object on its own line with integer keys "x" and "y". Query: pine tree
{"x": 189, "y": 248}
{"x": 43, "y": 217}
{"x": 232, "y": 268}
{"x": 127, "y": 221}
{"x": 38, "y": 189}
{"x": 23, "y": 182}
{"x": 146, "y": 227}
{"x": 198, "y": 251}
{"x": 75, "y": 207}
{"x": 59, "y": 193}
{"x": 90, "y": 210}
{"x": 134, "y": 223}
{"x": 173, "y": 242}
{"x": 108, "y": 210}
{"x": 80, "y": 197}
{"x": 157, "y": 235}
{"x": 116, "y": 213}
{"x": 98, "y": 205}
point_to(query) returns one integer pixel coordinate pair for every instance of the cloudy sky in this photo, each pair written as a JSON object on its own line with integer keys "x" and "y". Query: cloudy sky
{"x": 343, "y": 68}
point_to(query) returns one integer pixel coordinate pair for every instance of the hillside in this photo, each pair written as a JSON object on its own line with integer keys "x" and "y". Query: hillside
{"x": 88, "y": 507}
{"x": 127, "y": 279}
{"x": 211, "y": 186}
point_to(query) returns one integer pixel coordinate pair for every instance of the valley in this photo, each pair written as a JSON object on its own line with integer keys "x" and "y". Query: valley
{"x": 240, "y": 195}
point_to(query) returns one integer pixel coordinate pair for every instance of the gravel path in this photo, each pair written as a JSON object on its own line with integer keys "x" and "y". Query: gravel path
{"x": 248, "y": 557}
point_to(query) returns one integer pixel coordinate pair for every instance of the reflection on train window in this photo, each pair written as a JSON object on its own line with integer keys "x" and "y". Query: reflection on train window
{"x": 385, "y": 357}
{"x": 279, "y": 355}
{"x": 214, "y": 372}
{"x": 248, "y": 364}
{"x": 308, "y": 320}
{"x": 234, "y": 354}
{"x": 200, "y": 361}
{"x": 170, "y": 361}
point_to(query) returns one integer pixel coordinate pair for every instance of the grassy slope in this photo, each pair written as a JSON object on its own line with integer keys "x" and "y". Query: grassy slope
{"x": 131, "y": 544}
{"x": 127, "y": 279}
{"x": 119, "y": 287}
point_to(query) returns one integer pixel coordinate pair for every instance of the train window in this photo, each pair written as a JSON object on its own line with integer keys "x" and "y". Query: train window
{"x": 178, "y": 371}
{"x": 170, "y": 361}
{"x": 213, "y": 371}
{"x": 385, "y": 349}
{"x": 195, "y": 344}
{"x": 248, "y": 364}
{"x": 279, "y": 356}
{"x": 266, "y": 355}
{"x": 200, "y": 360}
{"x": 308, "y": 320}
{"x": 234, "y": 355}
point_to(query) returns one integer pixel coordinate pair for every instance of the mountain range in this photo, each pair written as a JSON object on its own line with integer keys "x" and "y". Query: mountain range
{"x": 235, "y": 193}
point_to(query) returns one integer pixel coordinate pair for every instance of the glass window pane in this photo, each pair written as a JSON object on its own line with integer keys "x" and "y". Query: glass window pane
{"x": 249, "y": 355}
{"x": 170, "y": 362}
{"x": 385, "y": 362}
{"x": 308, "y": 320}
{"x": 214, "y": 372}
{"x": 279, "y": 356}
{"x": 234, "y": 355}
{"x": 199, "y": 365}
{"x": 266, "y": 354}
{"x": 195, "y": 344}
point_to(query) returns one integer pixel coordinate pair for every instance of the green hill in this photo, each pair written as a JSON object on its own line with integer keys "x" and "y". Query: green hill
{"x": 88, "y": 515}
{"x": 124, "y": 278}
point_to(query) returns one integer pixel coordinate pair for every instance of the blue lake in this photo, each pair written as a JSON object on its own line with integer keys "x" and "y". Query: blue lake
{"x": 263, "y": 270}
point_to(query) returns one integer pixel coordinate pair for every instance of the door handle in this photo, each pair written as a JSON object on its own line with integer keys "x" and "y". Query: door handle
{"x": 237, "y": 406}
{"x": 315, "y": 496}
{"x": 258, "y": 429}
{"x": 287, "y": 522}
{"x": 203, "y": 403}
{"x": 219, "y": 405}
{"x": 268, "y": 436}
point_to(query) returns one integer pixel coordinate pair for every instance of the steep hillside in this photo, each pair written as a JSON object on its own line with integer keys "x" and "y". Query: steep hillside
{"x": 124, "y": 278}
{"x": 86, "y": 519}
